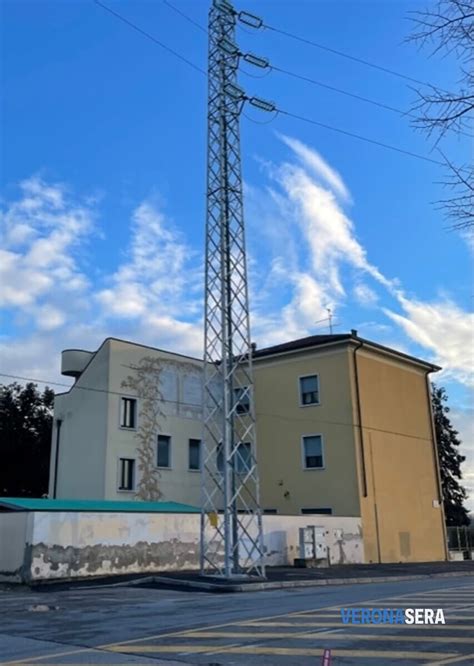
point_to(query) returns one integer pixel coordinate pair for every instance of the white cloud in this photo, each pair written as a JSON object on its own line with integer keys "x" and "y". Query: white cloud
{"x": 149, "y": 298}
{"x": 365, "y": 295}
{"x": 442, "y": 328}
{"x": 311, "y": 159}
{"x": 49, "y": 318}
{"x": 157, "y": 273}
{"x": 41, "y": 234}
{"x": 311, "y": 198}
{"x": 313, "y": 243}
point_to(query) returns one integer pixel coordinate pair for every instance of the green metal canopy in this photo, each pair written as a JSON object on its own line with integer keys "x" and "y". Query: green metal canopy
{"x": 99, "y": 506}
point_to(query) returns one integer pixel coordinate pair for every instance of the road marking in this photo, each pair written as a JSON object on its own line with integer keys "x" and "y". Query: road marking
{"x": 344, "y": 636}
{"x": 303, "y": 652}
{"x": 453, "y": 660}
{"x": 50, "y": 655}
{"x": 107, "y": 646}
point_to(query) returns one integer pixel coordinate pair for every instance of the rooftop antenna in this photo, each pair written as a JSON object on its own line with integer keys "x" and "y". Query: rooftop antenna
{"x": 329, "y": 311}
{"x": 329, "y": 320}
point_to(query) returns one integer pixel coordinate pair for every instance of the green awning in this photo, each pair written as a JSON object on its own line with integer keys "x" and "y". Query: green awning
{"x": 31, "y": 504}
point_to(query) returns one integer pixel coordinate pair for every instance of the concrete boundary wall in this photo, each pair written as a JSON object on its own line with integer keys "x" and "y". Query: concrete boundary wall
{"x": 52, "y": 545}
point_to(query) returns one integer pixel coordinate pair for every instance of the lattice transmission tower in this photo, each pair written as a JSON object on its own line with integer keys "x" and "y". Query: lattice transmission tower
{"x": 231, "y": 525}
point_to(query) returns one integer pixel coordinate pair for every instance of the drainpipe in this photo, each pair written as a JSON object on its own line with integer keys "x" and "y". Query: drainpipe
{"x": 436, "y": 463}
{"x": 362, "y": 445}
{"x": 359, "y": 420}
{"x": 56, "y": 459}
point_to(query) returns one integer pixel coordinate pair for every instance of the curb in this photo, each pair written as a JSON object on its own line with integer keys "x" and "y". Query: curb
{"x": 277, "y": 585}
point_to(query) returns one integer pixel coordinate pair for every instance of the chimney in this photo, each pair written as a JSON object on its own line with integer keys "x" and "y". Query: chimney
{"x": 354, "y": 332}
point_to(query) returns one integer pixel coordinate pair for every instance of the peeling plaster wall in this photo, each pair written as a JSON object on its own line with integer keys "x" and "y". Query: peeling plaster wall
{"x": 77, "y": 545}
{"x": 70, "y": 545}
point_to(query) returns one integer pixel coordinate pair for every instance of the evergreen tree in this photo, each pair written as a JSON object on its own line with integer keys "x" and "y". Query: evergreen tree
{"x": 25, "y": 440}
{"x": 450, "y": 460}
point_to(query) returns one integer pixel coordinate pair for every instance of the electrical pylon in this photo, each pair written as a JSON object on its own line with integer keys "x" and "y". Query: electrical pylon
{"x": 231, "y": 524}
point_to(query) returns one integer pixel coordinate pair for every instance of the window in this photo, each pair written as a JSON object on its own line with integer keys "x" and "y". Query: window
{"x": 325, "y": 510}
{"x": 270, "y": 512}
{"x": 309, "y": 390}
{"x": 220, "y": 458}
{"x": 126, "y": 474}
{"x": 243, "y": 458}
{"x": 313, "y": 452}
{"x": 242, "y": 399}
{"x": 164, "y": 451}
{"x": 194, "y": 454}
{"x": 128, "y": 412}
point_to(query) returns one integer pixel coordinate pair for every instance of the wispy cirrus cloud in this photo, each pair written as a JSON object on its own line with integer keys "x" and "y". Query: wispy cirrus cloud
{"x": 365, "y": 295}
{"x": 444, "y": 329}
{"x": 318, "y": 167}
{"x": 314, "y": 198}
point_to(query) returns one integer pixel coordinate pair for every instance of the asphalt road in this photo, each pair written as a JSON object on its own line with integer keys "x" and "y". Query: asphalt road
{"x": 129, "y": 625}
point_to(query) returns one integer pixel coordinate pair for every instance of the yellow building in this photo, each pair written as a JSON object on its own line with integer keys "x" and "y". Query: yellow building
{"x": 344, "y": 426}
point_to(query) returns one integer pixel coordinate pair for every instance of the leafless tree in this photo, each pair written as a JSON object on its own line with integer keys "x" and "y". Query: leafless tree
{"x": 447, "y": 28}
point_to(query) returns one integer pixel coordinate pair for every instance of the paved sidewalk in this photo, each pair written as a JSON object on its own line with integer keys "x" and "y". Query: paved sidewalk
{"x": 276, "y": 578}
{"x": 290, "y": 577}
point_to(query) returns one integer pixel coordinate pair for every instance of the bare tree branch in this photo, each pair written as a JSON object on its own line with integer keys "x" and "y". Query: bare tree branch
{"x": 449, "y": 28}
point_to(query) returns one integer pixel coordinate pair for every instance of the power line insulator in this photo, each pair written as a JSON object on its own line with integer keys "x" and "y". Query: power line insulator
{"x": 250, "y": 19}
{"x": 235, "y": 91}
{"x": 224, "y": 6}
{"x": 262, "y": 104}
{"x": 258, "y": 61}
{"x": 229, "y": 47}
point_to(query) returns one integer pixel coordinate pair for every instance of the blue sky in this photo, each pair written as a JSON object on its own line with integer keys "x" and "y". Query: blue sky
{"x": 103, "y": 170}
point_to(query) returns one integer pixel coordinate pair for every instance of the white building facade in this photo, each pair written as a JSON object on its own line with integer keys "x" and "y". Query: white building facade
{"x": 129, "y": 427}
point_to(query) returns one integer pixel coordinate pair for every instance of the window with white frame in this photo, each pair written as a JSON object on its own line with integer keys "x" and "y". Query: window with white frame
{"x": 309, "y": 390}
{"x": 126, "y": 474}
{"x": 128, "y": 413}
{"x": 313, "y": 452}
{"x": 242, "y": 399}
{"x": 163, "y": 458}
{"x": 194, "y": 464}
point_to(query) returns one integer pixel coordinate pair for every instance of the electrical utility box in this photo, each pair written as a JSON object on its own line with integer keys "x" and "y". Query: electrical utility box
{"x": 313, "y": 547}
